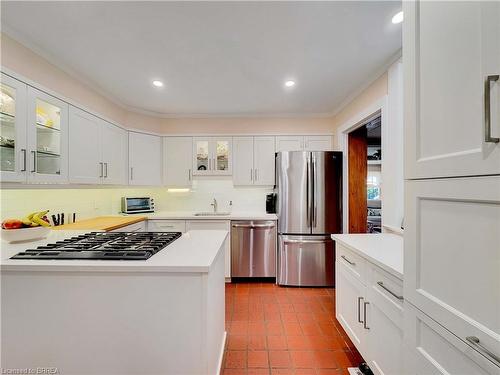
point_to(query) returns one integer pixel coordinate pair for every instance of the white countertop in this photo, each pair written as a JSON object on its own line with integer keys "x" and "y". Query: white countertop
{"x": 195, "y": 251}
{"x": 189, "y": 215}
{"x": 385, "y": 250}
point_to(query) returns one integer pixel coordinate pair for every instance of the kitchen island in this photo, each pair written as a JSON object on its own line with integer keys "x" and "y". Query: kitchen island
{"x": 163, "y": 315}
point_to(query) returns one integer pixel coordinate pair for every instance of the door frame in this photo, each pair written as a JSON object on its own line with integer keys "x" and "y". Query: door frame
{"x": 375, "y": 109}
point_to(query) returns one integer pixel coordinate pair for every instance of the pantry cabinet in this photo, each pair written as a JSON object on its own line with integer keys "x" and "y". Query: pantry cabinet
{"x": 13, "y": 141}
{"x": 452, "y": 93}
{"x": 97, "y": 150}
{"x": 212, "y": 156}
{"x": 47, "y": 138}
{"x": 145, "y": 155}
{"x": 304, "y": 143}
{"x": 178, "y": 161}
{"x": 254, "y": 161}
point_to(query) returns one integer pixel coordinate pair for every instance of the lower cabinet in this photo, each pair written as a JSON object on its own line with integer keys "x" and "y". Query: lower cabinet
{"x": 432, "y": 349}
{"x": 137, "y": 227}
{"x": 369, "y": 306}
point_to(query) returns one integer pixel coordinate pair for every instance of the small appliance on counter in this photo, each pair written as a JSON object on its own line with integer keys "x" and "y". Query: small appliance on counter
{"x": 135, "y": 205}
{"x": 271, "y": 203}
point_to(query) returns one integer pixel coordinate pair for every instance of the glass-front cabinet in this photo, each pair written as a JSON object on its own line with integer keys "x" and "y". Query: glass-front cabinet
{"x": 13, "y": 163}
{"x": 48, "y": 137}
{"x": 212, "y": 156}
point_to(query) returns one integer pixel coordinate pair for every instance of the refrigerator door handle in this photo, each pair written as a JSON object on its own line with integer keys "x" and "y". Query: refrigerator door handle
{"x": 315, "y": 190}
{"x": 308, "y": 194}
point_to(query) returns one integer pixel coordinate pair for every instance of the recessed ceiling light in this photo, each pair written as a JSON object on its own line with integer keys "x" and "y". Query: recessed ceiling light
{"x": 158, "y": 83}
{"x": 398, "y": 17}
{"x": 290, "y": 83}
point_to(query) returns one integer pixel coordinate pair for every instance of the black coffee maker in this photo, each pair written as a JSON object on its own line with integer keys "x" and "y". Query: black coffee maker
{"x": 271, "y": 203}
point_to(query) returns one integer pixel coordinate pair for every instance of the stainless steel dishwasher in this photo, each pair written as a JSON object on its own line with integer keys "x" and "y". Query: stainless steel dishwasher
{"x": 253, "y": 248}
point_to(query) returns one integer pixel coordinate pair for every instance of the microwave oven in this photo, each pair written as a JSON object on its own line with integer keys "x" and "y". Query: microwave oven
{"x": 133, "y": 205}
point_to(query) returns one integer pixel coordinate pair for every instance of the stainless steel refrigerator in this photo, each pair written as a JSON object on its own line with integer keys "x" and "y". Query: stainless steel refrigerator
{"x": 309, "y": 209}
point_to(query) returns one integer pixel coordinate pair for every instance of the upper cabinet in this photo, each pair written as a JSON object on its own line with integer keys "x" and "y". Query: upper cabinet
{"x": 13, "y": 147}
{"x": 145, "y": 154}
{"x": 177, "y": 161}
{"x": 47, "y": 132}
{"x": 304, "y": 143}
{"x": 212, "y": 156}
{"x": 97, "y": 150}
{"x": 452, "y": 98}
{"x": 253, "y": 159}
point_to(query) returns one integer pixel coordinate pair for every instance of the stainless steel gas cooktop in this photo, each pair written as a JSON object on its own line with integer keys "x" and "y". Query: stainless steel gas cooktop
{"x": 104, "y": 246}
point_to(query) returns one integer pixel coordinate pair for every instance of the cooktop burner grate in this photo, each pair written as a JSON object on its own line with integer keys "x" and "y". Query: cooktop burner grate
{"x": 104, "y": 246}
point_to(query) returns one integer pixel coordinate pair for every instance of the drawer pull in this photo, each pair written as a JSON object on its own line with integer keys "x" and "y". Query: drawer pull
{"x": 381, "y": 284}
{"x": 365, "y": 326}
{"x": 348, "y": 261}
{"x": 359, "y": 309}
{"x": 487, "y": 109}
{"x": 475, "y": 341}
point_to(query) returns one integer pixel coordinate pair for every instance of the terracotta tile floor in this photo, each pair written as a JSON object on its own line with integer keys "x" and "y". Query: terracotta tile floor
{"x": 277, "y": 330}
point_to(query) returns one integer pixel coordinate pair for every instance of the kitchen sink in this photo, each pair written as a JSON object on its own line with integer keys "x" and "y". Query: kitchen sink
{"x": 212, "y": 214}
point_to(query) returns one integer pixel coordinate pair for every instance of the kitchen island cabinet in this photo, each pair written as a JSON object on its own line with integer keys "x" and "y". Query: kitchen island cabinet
{"x": 164, "y": 315}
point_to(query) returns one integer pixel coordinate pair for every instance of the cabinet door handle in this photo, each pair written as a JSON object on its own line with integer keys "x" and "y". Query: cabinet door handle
{"x": 189, "y": 174}
{"x": 131, "y": 173}
{"x": 106, "y": 170}
{"x": 487, "y": 109}
{"x": 381, "y": 284}
{"x": 365, "y": 326}
{"x": 359, "y": 309}
{"x": 251, "y": 174}
{"x": 23, "y": 150}
{"x": 256, "y": 175}
{"x": 477, "y": 343}
{"x": 348, "y": 261}
{"x": 34, "y": 161}
{"x": 102, "y": 169}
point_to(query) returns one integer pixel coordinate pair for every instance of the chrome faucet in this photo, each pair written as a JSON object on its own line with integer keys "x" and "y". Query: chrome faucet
{"x": 214, "y": 204}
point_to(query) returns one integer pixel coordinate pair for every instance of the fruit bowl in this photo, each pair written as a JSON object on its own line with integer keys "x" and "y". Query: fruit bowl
{"x": 24, "y": 234}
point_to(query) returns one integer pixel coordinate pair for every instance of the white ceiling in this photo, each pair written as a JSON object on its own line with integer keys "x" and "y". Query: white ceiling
{"x": 216, "y": 58}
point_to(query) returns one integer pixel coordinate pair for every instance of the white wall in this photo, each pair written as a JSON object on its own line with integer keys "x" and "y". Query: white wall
{"x": 392, "y": 153}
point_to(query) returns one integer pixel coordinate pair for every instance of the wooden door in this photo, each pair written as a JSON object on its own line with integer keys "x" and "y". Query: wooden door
{"x": 357, "y": 173}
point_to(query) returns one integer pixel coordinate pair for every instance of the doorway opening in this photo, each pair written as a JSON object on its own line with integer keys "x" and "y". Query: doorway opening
{"x": 364, "y": 177}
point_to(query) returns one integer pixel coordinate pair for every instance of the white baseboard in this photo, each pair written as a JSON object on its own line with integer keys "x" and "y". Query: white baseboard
{"x": 221, "y": 354}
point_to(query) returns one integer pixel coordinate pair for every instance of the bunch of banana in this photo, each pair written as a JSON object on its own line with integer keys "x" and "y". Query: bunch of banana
{"x": 35, "y": 219}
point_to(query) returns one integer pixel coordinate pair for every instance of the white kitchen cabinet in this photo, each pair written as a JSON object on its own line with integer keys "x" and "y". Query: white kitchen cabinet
{"x": 384, "y": 319}
{"x": 243, "y": 156}
{"x": 114, "y": 154}
{"x": 13, "y": 148}
{"x": 318, "y": 143}
{"x": 215, "y": 225}
{"x": 350, "y": 298}
{"x": 304, "y": 143}
{"x": 452, "y": 255}
{"x": 145, "y": 155}
{"x": 451, "y": 48}
{"x": 289, "y": 143}
{"x": 369, "y": 306}
{"x": 97, "y": 150}
{"x": 432, "y": 349}
{"x": 166, "y": 226}
{"x": 254, "y": 161}
{"x": 136, "y": 227}
{"x": 177, "y": 161}
{"x": 85, "y": 148}
{"x": 212, "y": 156}
{"x": 264, "y": 161}
{"x": 47, "y": 132}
